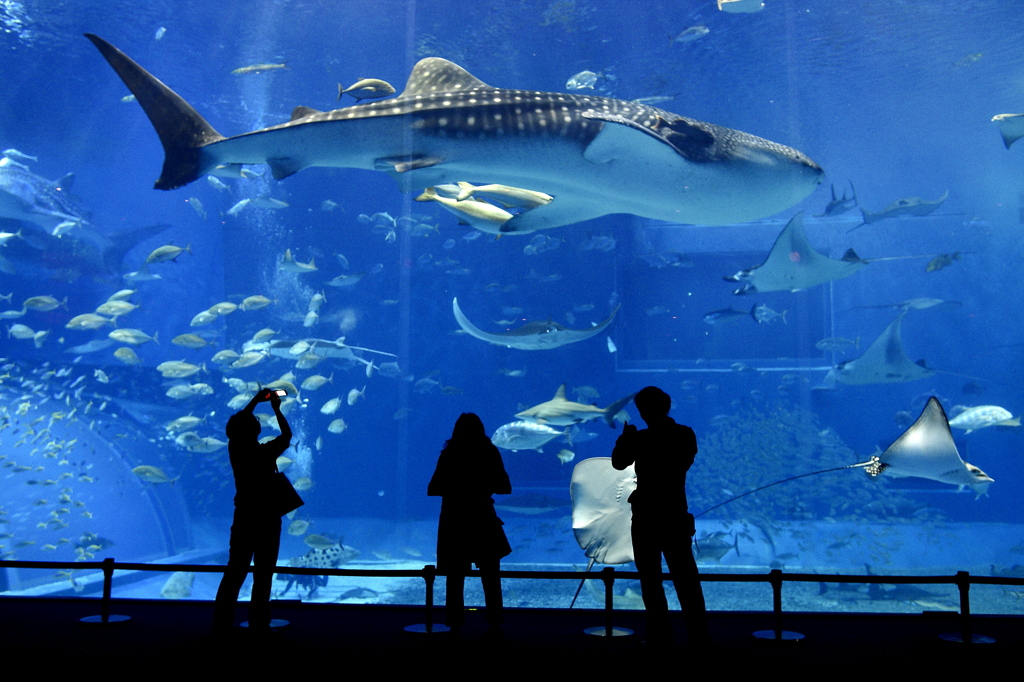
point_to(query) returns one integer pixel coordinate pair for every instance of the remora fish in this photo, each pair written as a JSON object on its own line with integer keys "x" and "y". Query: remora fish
{"x": 532, "y": 335}
{"x": 595, "y": 155}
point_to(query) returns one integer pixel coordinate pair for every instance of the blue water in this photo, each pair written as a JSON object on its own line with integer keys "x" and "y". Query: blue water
{"x": 896, "y": 98}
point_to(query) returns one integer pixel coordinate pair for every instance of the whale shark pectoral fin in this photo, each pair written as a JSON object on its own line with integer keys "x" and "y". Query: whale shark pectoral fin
{"x": 282, "y": 168}
{"x": 563, "y": 210}
{"x": 623, "y": 138}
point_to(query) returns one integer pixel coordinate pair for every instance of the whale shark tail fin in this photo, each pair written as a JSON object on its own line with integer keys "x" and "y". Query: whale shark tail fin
{"x": 183, "y": 132}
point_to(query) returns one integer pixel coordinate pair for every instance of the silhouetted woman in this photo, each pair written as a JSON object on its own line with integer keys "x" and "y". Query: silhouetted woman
{"x": 468, "y": 472}
{"x": 256, "y": 528}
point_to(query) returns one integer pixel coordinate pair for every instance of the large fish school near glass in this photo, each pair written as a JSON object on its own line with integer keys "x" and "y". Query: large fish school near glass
{"x": 529, "y": 213}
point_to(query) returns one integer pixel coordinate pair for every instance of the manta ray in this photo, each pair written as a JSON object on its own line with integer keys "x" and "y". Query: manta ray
{"x": 793, "y": 264}
{"x": 595, "y": 155}
{"x": 1011, "y": 127}
{"x": 884, "y": 361}
{"x": 926, "y": 450}
{"x": 532, "y": 335}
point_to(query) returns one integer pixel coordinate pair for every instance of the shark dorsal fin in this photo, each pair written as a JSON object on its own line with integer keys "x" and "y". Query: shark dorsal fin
{"x": 435, "y": 75}
{"x": 560, "y": 393}
{"x": 65, "y": 182}
{"x": 302, "y": 112}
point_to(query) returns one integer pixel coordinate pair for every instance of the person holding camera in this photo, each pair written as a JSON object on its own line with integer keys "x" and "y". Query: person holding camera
{"x": 662, "y": 525}
{"x": 256, "y": 527}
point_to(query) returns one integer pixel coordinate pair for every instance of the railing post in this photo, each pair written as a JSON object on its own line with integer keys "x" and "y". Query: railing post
{"x": 108, "y": 587}
{"x": 609, "y": 629}
{"x": 429, "y": 575}
{"x": 966, "y": 634}
{"x": 963, "y": 583}
{"x": 777, "y": 634}
{"x": 105, "y": 617}
{"x": 429, "y": 628}
{"x": 608, "y": 576}
{"x": 775, "y": 578}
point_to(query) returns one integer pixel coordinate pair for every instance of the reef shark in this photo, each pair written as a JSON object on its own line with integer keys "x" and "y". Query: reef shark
{"x": 884, "y": 362}
{"x": 561, "y": 412}
{"x": 532, "y": 335}
{"x": 926, "y": 450}
{"x": 594, "y": 155}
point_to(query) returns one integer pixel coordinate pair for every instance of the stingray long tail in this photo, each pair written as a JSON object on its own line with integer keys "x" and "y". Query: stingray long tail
{"x": 860, "y": 465}
{"x": 575, "y": 596}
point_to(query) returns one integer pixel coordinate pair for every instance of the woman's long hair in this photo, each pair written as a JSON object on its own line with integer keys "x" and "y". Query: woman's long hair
{"x": 468, "y": 429}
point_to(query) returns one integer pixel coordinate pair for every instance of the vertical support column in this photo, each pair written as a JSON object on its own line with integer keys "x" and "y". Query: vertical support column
{"x": 428, "y": 628}
{"x": 777, "y": 633}
{"x": 105, "y": 617}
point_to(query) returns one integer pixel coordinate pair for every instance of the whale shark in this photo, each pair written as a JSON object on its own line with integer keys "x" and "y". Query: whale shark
{"x": 28, "y": 197}
{"x": 56, "y": 240}
{"x": 532, "y": 335}
{"x": 595, "y": 155}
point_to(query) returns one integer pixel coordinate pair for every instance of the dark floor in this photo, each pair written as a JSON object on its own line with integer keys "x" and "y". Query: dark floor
{"x": 369, "y": 641}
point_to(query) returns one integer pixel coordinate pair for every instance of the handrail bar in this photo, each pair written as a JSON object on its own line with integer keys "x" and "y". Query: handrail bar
{"x": 529, "y": 575}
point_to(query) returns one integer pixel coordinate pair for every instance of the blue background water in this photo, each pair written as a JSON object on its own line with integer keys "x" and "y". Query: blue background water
{"x": 895, "y": 97}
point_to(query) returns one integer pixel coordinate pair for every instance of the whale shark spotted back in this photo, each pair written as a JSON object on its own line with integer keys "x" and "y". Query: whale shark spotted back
{"x": 594, "y": 155}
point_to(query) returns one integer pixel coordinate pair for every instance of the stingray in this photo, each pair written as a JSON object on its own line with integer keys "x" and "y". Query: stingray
{"x": 926, "y": 450}
{"x": 1011, "y": 126}
{"x": 793, "y": 264}
{"x": 602, "y": 517}
{"x": 532, "y": 335}
{"x": 884, "y": 362}
{"x": 908, "y": 206}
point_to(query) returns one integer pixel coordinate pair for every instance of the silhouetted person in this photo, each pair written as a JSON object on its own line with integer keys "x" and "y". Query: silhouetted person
{"x": 468, "y": 472}
{"x": 661, "y": 454}
{"x": 256, "y": 528}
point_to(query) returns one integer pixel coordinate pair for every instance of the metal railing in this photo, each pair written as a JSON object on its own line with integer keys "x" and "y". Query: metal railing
{"x": 608, "y": 575}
